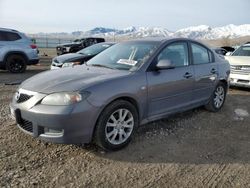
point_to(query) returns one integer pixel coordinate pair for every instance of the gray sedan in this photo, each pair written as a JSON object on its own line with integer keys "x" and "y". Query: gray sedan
{"x": 127, "y": 85}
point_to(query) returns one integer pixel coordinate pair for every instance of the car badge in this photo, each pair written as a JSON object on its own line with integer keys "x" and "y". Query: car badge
{"x": 238, "y": 67}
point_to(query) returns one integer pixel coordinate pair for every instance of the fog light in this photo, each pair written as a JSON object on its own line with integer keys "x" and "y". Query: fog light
{"x": 52, "y": 132}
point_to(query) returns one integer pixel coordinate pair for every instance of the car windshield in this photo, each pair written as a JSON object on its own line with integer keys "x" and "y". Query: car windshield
{"x": 124, "y": 56}
{"x": 94, "y": 49}
{"x": 242, "y": 51}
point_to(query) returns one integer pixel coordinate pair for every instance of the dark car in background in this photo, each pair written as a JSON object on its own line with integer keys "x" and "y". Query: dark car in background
{"x": 77, "y": 45}
{"x": 228, "y": 48}
{"x": 79, "y": 58}
{"x": 220, "y": 51}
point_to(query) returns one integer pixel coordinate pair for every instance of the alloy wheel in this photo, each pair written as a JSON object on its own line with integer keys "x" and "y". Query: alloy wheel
{"x": 219, "y": 96}
{"x": 119, "y": 126}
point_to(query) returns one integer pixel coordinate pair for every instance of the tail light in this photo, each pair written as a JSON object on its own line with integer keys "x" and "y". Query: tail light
{"x": 33, "y": 46}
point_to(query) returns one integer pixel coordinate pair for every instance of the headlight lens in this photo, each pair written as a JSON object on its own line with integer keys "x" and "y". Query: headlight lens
{"x": 64, "y": 98}
{"x": 70, "y": 64}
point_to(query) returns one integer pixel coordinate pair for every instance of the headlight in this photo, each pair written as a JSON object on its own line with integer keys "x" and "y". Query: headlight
{"x": 70, "y": 64}
{"x": 64, "y": 98}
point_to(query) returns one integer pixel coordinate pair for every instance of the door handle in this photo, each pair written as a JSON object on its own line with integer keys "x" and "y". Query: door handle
{"x": 213, "y": 71}
{"x": 187, "y": 75}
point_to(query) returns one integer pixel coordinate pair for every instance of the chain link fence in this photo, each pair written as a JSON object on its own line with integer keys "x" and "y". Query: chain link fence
{"x": 44, "y": 42}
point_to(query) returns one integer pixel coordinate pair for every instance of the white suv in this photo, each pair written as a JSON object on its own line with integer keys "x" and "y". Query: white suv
{"x": 240, "y": 66}
{"x": 16, "y": 51}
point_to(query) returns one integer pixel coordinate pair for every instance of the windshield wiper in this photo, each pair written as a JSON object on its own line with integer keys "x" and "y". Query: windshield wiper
{"x": 100, "y": 65}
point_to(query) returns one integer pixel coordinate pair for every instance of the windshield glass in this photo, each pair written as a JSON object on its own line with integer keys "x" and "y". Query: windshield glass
{"x": 124, "y": 56}
{"x": 242, "y": 51}
{"x": 94, "y": 49}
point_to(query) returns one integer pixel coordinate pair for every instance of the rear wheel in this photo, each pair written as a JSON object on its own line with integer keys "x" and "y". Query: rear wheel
{"x": 116, "y": 125}
{"x": 217, "y": 99}
{"x": 16, "y": 63}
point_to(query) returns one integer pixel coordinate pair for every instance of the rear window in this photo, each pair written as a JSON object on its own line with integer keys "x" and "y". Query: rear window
{"x": 9, "y": 36}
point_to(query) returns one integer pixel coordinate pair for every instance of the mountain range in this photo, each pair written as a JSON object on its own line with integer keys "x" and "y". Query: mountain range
{"x": 194, "y": 32}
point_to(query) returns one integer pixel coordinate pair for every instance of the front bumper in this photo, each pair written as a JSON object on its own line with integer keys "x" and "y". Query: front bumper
{"x": 240, "y": 80}
{"x": 52, "y": 67}
{"x": 58, "y": 124}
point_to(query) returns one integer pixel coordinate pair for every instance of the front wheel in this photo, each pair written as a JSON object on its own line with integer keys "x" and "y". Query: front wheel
{"x": 217, "y": 99}
{"x": 116, "y": 125}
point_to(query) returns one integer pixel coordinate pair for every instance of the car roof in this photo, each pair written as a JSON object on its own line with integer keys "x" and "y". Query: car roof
{"x": 7, "y": 29}
{"x": 218, "y": 48}
{"x": 164, "y": 39}
{"x": 247, "y": 44}
{"x": 106, "y": 43}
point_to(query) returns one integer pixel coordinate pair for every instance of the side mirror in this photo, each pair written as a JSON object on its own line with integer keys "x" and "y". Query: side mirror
{"x": 228, "y": 53}
{"x": 164, "y": 64}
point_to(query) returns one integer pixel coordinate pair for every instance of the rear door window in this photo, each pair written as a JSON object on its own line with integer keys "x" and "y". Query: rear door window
{"x": 201, "y": 55}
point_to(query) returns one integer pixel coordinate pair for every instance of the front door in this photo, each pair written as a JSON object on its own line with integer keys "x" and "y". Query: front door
{"x": 171, "y": 89}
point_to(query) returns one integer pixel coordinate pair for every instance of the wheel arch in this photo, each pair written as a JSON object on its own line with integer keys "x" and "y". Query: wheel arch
{"x": 125, "y": 98}
{"x": 224, "y": 81}
{"x": 14, "y": 53}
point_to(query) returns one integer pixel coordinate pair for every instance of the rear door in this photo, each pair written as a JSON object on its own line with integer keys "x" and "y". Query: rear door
{"x": 205, "y": 70}
{"x": 171, "y": 89}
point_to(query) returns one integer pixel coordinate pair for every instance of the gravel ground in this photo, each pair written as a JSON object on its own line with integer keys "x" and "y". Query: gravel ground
{"x": 193, "y": 149}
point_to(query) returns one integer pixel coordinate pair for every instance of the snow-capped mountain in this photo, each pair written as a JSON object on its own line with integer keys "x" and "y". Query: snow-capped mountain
{"x": 206, "y": 32}
{"x": 195, "y": 32}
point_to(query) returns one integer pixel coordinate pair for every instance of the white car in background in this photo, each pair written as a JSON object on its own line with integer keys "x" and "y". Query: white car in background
{"x": 240, "y": 66}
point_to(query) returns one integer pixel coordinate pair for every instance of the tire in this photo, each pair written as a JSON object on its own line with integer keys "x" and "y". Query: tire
{"x": 217, "y": 99}
{"x": 114, "y": 135}
{"x": 16, "y": 63}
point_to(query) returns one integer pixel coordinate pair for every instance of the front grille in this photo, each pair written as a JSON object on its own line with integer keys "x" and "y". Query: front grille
{"x": 23, "y": 97}
{"x": 243, "y": 81}
{"x": 26, "y": 125}
{"x": 240, "y": 69}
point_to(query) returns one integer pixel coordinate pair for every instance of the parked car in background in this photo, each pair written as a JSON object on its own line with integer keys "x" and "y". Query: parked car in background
{"x": 77, "y": 45}
{"x": 228, "y": 48}
{"x": 16, "y": 51}
{"x": 220, "y": 51}
{"x": 129, "y": 84}
{"x": 80, "y": 57}
{"x": 240, "y": 66}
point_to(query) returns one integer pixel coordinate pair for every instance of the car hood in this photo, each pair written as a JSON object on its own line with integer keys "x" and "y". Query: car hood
{"x": 67, "y": 57}
{"x": 238, "y": 60}
{"x": 70, "y": 79}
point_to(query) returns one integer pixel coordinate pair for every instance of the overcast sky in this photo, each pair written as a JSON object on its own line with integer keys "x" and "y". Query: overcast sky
{"x": 71, "y": 15}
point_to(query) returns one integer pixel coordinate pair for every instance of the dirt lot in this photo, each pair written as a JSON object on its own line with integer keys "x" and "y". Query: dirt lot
{"x": 193, "y": 149}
